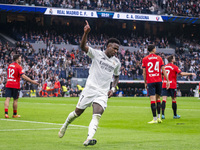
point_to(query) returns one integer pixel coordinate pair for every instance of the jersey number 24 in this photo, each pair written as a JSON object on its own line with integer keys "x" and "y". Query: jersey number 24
{"x": 153, "y": 68}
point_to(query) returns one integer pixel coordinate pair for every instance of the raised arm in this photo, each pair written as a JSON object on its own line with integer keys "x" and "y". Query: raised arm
{"x": 83, "y": 45}
{"x": 29, "y": 80}
{"x": 114, "y": 84}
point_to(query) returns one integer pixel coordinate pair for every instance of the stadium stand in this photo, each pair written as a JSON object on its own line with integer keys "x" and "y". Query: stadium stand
{"x": 51, "y": 62}
{"x": 136, "y": 6}
{"x": 181, "y": 7}
{"x": 177, "y": 8}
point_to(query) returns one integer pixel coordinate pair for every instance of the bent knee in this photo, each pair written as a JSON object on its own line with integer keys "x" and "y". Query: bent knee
{"x": 79, "y": 111}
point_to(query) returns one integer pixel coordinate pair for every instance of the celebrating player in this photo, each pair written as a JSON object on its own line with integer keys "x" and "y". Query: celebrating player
{"x": 97, "y": 89}
{"x": 152, "y": 66}
{"x": 14, "y": 72}
{"x": 172, "y": 71}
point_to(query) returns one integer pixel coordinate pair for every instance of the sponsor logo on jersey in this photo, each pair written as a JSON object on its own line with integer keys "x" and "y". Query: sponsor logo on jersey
{"x": 11, "y": 80}
{"x": 152, "y": 58}
{"x": 169, "y": 67}
{"x": 154, "y": 75}
{"x": 106, "y": 66}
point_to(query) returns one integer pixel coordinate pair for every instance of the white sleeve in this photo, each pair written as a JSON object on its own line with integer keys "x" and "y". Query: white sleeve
{"x": 117, "y": 69}
{"x": 92, "y": 52}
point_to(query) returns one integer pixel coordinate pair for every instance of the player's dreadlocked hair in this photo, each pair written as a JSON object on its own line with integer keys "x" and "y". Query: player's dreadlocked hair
{"x": 16, "y": 56}
{"x": 112, "y": 40}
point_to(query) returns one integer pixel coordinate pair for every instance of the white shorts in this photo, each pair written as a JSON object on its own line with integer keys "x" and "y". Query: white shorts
{"x": 90, "y": 96}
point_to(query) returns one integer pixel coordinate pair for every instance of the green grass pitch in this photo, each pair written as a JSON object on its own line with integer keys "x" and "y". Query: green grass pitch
{"x": 123, "y": 125}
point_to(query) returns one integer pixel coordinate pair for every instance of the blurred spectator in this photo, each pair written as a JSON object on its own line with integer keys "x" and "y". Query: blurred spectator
{"x": 198, "y": 74}
{"x": 179, "y": 94}
{"x": 144, "y": 92}
{"x": 191, "y": 93}
{"x": 130, "y": 92}
{"x": 120, "y": 93}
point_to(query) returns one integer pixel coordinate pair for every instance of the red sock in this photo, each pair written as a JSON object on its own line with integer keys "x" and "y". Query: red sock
{"x": 6, "y": 111}
{"x": 14, "y": 112}
{"x": 157, "y": 101}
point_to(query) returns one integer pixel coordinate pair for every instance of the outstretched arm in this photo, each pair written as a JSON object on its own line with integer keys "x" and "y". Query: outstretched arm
{"x": 29, "y": 80}
{"x": 83, "y": 45}
{"x": 187, "y": 74}
{"x": 114, "y": 84}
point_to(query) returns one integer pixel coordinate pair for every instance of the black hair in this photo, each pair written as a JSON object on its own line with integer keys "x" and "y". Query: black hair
{"x": 170, "y": 58}
{"x": 16, "y": 56}
{"x": 151, "y": 47}
{"x": 112, "y": 40}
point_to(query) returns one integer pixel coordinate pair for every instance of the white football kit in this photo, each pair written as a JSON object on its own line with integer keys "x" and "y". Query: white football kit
{"x": 99, "y": 79}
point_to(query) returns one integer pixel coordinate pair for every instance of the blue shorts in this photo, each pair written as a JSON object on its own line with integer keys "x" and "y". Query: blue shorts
{"x": 154, "y": 88}
{"x": 12, "y": 92}
{"x": 169, "y": 92}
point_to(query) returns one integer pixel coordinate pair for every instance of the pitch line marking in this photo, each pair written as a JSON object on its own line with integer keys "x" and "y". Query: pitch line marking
{"x": 108, "y": 106}
{"x": 44, "y": 123}
{"x": 39, "y": 129}
{"x": 29, "y": 129}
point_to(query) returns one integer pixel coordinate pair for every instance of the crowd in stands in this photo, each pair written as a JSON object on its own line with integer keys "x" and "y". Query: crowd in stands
{"x": 171, "y": 7}
{"x": 129, "y": 91}
{"x": 62, "y": 34}
{"x": 93, "y": 39}
{"x": 44, "y": 67}
{"x": 190, "y": 8}
{"x": 136, "y": 6}
{"x": 50, "y": 64}
{"x": 187, "y": 45}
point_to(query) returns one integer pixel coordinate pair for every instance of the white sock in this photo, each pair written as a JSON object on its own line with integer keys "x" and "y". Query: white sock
{"x": 93, "y": 125}
{"x": 154, "y": 118}
{"x": 158, "y": 115}
{"x": 71, "y": 117}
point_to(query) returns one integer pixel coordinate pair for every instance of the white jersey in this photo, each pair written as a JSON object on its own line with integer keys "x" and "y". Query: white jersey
{"x": 102, "y": 70}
